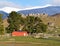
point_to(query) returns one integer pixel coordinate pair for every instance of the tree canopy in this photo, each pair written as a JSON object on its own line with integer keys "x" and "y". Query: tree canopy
{"x": 34, "y": 25}
{"x": 14, "y": 21}
{"x": 30, "y": 24}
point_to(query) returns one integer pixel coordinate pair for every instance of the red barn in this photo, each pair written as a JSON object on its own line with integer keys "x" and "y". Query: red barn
{"x": 17, "y": 33}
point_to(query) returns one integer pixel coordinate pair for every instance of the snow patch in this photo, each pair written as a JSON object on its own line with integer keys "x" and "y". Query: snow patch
{"x": 9, "y": 9}
{"x": 37, "y": 7}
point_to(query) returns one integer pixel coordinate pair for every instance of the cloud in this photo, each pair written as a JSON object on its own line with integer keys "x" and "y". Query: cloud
{"x": 56, "y": 2}
{"x": 8, "y": 4}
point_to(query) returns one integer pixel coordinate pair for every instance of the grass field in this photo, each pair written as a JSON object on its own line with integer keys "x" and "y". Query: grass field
{"x": 29, "y": 41}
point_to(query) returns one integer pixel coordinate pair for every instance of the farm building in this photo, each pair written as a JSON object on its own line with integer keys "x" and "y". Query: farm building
{"x": 19, "y": 33}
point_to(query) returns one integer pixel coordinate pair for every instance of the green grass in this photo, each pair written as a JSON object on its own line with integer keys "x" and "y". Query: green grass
{"x": 29, "y": 41}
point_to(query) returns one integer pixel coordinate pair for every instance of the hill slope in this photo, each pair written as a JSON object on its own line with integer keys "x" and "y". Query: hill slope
{"x": 54, "y": 19}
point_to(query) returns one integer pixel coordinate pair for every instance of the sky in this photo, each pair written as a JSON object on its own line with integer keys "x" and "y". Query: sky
{"x": 28, "y": 3}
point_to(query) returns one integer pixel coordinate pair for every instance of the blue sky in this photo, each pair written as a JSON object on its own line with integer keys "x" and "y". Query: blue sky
{"x": 27, "y": 3}
{"x": 31, "y": 2}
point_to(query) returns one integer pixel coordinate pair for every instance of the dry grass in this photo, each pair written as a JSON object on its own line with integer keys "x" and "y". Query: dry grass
{"x": 54, "y": 19}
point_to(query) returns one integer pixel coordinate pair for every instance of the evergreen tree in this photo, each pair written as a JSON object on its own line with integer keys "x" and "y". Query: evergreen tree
{"x": 14, "y": 21}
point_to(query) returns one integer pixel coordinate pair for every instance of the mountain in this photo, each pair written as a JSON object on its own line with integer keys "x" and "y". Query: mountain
{"x": 50, "y": 10}
{"x": 4, "y": 14}
{"x": 6, "y": 10}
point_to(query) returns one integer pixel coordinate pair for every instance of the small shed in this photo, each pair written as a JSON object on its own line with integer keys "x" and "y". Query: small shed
{"x": 19, "y": 33}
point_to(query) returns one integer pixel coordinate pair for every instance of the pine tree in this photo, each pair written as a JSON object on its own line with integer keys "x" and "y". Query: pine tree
{"x": 14, "y": 21}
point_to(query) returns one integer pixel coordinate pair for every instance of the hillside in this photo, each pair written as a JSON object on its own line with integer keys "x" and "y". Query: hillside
{"x": 54, "y": 19}
{"x": 5, "y": 23}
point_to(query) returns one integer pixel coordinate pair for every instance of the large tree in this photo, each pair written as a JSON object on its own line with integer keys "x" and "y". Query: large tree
{"x": 34, "y": 25}
{"x": 30, "y": 24}
{"x": 14, "y": 21}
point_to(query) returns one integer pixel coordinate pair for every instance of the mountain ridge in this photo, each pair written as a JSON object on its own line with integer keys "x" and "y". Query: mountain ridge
{"x": 10, "y": 9}
{"x": 50, "y": 10}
